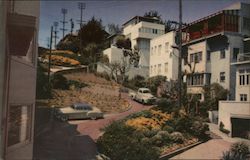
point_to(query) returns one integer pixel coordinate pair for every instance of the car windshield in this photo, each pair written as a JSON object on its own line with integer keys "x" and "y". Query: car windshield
{"x": 81, "y": 107}
{"x": 146, "y": 91}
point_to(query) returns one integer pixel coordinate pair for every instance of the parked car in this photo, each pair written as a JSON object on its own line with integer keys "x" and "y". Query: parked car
{"x": 78, "y": 111}
{"x": 143, "y": 95}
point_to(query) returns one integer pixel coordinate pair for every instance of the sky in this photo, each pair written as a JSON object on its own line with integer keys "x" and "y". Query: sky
{"x": 119, "y": 11}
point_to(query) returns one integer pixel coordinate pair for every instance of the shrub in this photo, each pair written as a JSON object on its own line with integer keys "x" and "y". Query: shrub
{"x": 199, "y": 129}
{"x": 77, "y": 84}
{"x": 165, "y": 105}
{"x": 136, "y": 82}
{"x": 177, "y": 137}
{"x": 155, "y": 82}
{"x": 119, "y": 142}
{"x": 168, "y": 128}
{"x": 59, "y": 82}
{"x": 237, "y": 151}
{"x": 150, "y": 133}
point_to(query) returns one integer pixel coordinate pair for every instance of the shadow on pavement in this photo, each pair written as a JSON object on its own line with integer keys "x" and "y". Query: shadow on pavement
{"x": 57, "y": 140}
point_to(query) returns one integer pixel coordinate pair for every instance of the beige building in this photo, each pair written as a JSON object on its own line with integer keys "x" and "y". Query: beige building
{"x": 19, "y": 21}
{"x": 212, "y": 44}
{"x": 163, "y": 57}
{"x": 235, "y": 115}
{"x": 140, "y": 30}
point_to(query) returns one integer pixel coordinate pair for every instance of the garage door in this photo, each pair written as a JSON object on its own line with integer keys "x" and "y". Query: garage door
{"x": 240, "y": 127}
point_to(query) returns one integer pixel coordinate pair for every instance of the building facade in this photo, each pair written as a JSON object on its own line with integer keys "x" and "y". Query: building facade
{"x": 235, "y": 115}
{"x": 211, "y": 44}
{"x": 19, "y": 35}
{"x": 140, "y": 30}
{"x": 163, "y": 57}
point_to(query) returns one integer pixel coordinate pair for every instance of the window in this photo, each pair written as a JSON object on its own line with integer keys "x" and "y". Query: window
{"x": 208, "y": 55}
{"x": 222, "y": 54}
{"x": 196, "y": 57}
{"x": 197, "y": 79}
{"x": 222, "y": 77}
{"x": 155, "y": 69}
{"x": 151, "y": 69}
{"x": 19, "y": 124}
{"x": 244, "y": 76}
{"x": 159, "y": 50}
{"x": 159, "y": 68}
{"x": 152, "y": 51}
{"x": 246, "y": 23}
{"x": 166, "y": 47}
{"x": 155, "y": 50}
{"x": 243, "y": 97}
{"x": 236, "y": 51}
{"x": 166, "y": 67}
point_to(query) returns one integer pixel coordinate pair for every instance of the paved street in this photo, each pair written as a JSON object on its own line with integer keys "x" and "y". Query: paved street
{"x": 75, "y": 139}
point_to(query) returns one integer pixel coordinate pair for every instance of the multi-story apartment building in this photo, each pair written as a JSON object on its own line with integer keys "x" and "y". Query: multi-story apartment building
{"x": 163, "y": 57}
{"x": 19, "y": 22}
{"x": 235, "y": 115}
{"x": 212, "y": 44}
{"x": 140, "y": 30}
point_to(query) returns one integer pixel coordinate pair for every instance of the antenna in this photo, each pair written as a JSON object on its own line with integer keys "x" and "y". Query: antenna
{"x": 81, "y": 6}
{"x": 55, "y": 32}
{"x": 64, "y": 12}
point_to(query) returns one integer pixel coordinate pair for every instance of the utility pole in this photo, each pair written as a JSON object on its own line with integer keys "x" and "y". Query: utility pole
{"x": 55, "y": 32}
{"x": 50, "y": 50}
{"x": 180, "y": 54}
{"x": 81, "y": 6}
{"x": 64, "y": 12}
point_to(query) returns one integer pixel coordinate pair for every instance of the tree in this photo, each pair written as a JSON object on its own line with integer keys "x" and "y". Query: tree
{"x": 92, "y": 32}
{"x": 153, "y": 14}
{"x": 69, "y": 42}
{"x": 114, "y": 29}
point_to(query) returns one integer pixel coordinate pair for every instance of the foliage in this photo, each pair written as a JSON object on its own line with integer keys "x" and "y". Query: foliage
{"x": 213, "y": 94}
{"x": 62, "y": 60}
{"x": 136, "y": 82}
{"x": 153, "y": 14}
{"x": 69, "y": 42}
{"x": 124, "y": 143}
{"x": 154, "y": 82}
{"x": 42, "y": 86}
{"x": 237, "y": 151}
{"x": 59, "y": 82}
{"x": 123, "y": 43}
{"x": 199, "y": 129}
{"x": 177, "y": 137}
{"x": 166, "y": 105}
{"x": 92, "y": 32}
{"x": 114, "y": 29}
{"x": 76, "y": 84}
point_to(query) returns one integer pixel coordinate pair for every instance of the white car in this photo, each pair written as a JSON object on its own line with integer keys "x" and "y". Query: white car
{"x": 143, "y": 95}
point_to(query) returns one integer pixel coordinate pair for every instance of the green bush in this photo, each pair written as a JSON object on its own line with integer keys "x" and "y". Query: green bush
{"x": 200, "y": 129}
{"x": 166, "y": 105}
{"x": 59, "y": 82}
{"x": 168, "y": 128}
{"x": 120, "y": 143}
{"x": 145, "y": 113}
{"x": 238, "y": 151}
{"x": 77, "y": 84}
{"x": 154, "y": 82}
{"x": 177, "y": 137}
{"x": 136, "y": 82}
{"x": 42, "y": 86}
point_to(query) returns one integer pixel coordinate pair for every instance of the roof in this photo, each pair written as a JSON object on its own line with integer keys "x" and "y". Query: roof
{"x": 146, "y": 19}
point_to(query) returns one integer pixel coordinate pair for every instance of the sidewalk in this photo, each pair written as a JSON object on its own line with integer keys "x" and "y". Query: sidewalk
{"x": 212, "y": 149}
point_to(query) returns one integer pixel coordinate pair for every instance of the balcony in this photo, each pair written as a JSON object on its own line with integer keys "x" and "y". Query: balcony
{"x": 208, "y": 26}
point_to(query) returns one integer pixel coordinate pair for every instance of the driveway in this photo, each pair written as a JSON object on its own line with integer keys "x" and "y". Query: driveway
{"x": 75, "y": 139}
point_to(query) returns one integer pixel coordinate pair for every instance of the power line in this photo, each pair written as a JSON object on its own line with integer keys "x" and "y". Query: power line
{"x": 64, "y": 12}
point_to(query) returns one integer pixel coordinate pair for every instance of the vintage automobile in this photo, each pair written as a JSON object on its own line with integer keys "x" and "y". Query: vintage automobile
{"x": 78, "y": 111}
{"x": 143, "y": 95}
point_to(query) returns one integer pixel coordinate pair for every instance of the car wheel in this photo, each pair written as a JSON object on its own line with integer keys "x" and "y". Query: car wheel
{"x": 64, "y": 118}
{"x": 93, "y": 117}
{"x": 142, "y": 101}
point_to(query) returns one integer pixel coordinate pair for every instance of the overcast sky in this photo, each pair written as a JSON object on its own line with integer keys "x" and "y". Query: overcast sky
{"x": 119, "y": 11}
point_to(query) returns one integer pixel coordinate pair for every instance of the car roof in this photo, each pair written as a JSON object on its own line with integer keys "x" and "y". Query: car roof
{"x": 144, "y": 89}
{"x": 81, "y": 104}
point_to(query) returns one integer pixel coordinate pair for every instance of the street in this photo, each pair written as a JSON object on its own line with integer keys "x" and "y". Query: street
{"x": 75, "y": 139}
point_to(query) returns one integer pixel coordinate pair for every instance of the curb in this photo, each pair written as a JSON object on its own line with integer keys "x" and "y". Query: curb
{"x": 178, "y": 151}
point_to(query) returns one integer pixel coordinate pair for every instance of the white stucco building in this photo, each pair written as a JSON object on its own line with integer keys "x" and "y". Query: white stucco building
{"x": 163, "y": 57}
{"x": 235, "y": 115}
{"x": 19, "y": 21}
{"x": 212, "y": 44}
{"x": 140, "y": 30}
